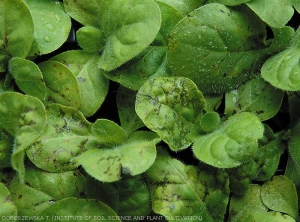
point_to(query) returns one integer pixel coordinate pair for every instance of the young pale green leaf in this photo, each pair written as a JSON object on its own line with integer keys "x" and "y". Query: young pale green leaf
{"x": 7, "y": 206}
{"x": 108, "y": 164}
{"x": 5, "y": 150}
{"x": 128, "y": 27}
{"x": 171, "y": 107}
{"x": 183, "y": 6}
{"x": 15, "y": 39}
{"x": 125, "y": 103}
{"x": 176, "y": 189}
{"x": 23, "y": 118}
{"x": 85, "y": 12}
{"x": 93, "y": 86}
{"x": 129, "y": 196}
{"x": 296, "y": 39}
{"x": 152, "y": 62}
{"x": 209, "y": 122}
{"x": 276, "y": 14}
{"x": 28, "y": 77}
{"x": 81, "y": 208}
{"x": 282, "y": 70}
{"x": 249, "y": 203}
{"x": 234, "y": 143}
{"x": 255, "y": 96}
{"x": 269, "y": 216}
{"x": 280, "y": 194}
{"x": 217, "y": 47}
{"x": 51, "y": 25}
{"x": 67, "y": 135}
{"x": 41, "y": 189}
{"x": 91, "y": 39}
{"x": 62, "y": 85}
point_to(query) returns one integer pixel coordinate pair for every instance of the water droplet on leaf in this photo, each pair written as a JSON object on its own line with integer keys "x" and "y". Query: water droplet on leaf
{"x": 47, "y": 38}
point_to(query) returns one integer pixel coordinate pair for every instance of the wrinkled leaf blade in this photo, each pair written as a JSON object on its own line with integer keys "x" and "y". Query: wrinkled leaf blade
{"x": 7, "y": 206}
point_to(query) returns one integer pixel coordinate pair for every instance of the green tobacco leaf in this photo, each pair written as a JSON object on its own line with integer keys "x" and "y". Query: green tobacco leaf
{"x": 107, "y": 165}
{"x": 62, "y": 85}
{"x": 42, "y": 189}
{"x": 85, "y": 12}
{"x": 171, "y": 107}
{"x": 282, "y": 69}
{"x": 5, "y": 150}
{"x": 128, "y": 27}
{"x": 51, "y": 25}
{"x": 7, "y": 206}
{"x": 67, "y": 135}
{"x": 183, "y": 6}
{"x": 217, "y": 47}
{"x": 129, "y": 196}
{"x": 23, "y": 118}
{"x": 209, "y": 122}
{"x": 255, "y": 96}
{"x": 28, "y": 77}
{"x": 152, "y": 62}
{"x": 127, "y": 115}
{"x": 15, "y": 40}
{"x": 90, "y": 39}
{"x": 80, "y": 209}
{"x": 276, "y": 14}
{"x": 177, "y": 190}
{"x": 269, "y": 216}
{"x": 232, "y": 144}
{"x": 292, "y": 171}
{"x": 279, "y": 194}
{"x": 93, "y": 86}
{"x": 296, "y": 4}
{"x": 294, "y": 144}
{"x": 229, "y": 2}
{"x": 242, "y": 206}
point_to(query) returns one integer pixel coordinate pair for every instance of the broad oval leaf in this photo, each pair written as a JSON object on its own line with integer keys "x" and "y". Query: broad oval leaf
{"x": 51, "y": 25}
{"x": 81, "y": 209}
{"x": 183, "y": 6}
{"x": 7, "y": 206}
{"x": 217, "y": 47}
{"x": 62, "y": 85}
{"x": 108, "y": 164}
{"x": 179, "y": 190}
{"x": 280, "y": 194}
{"x": 171, "y": 107}
{"x": 282, "y": 70}
{"x": 15, "y": 40}
{"x": 294, "y": 143}
{"x": 93, "y": 86}
{"x": 234, "y": 143}
{"x": 28, "y": 77}
{"x": 229, "y": 2}
{"x": 255, "y": 96}
{"x": 276, "y": 14}
{"x": 23, "y": 118}
{"x": 269, "y": 216}
{"x": 128, "y": 27}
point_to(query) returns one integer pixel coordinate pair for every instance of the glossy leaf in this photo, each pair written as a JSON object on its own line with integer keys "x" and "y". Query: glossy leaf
{"x": 279, "y": 194}
{"x": 282, "y": 69}
{"x": 109, "y": 164}
{"x": 232, "y": 144}
{"x": 217, "y": 47}
{"x": 90, "y": 39}
{"x": 85, "y": 12}
{"x": 61, "y": 85}
{"x": 14, "y": 39}
{"x": 23, "y": 118}
{"x": 81, "y": 208}
{"x": 67, "y": 135}
{"x": 171, "y": 107}
{"x": 7, "y": 206}
{"x": 250, "y": 203}
{"x": 93, "y": 86}
{"x": 255, "y": 96}
{"x": 129, "y": 196}
{"x": 132, "y": 29}
{"x": 276, "y": 14}
{"x": 51, "y": 25}
{"x": 28, "y": 77}
{"x": 125, "y": 103}
{"x": 176, "y": 189}
{"x": 183, "y": 6}
{"x": 42, "y": 189}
